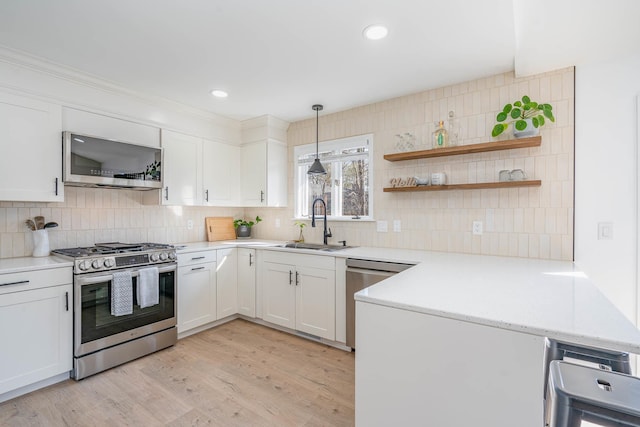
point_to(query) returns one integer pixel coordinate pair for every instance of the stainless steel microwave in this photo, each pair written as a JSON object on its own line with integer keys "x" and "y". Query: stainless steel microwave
{"x": 91, "y": 161}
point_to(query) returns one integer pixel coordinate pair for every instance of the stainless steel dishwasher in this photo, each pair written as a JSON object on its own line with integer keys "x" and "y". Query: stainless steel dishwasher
{"x": 362, "y": 273}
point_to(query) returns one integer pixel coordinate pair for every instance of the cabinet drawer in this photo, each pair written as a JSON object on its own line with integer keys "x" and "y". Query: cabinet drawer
{"x": 28, "y": 280}
{"x": 196, "y": 258}
{"x": 324, "y": 262}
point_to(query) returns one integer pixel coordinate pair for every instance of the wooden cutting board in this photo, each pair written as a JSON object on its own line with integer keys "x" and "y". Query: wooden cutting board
{"x": 220, "y": 228}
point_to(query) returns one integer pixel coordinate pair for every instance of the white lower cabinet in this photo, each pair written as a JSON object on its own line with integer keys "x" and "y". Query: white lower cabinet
{"x": 227, "y": 282}
{"x": 197, "y": 290}
{"x": 36, "y": 334}
{"x": 247, "y": 282}
{"x": 298, "y": 292}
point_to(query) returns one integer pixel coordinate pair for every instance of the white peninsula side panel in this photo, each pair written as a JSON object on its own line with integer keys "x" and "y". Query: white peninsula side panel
{"x": 416, "y": 369}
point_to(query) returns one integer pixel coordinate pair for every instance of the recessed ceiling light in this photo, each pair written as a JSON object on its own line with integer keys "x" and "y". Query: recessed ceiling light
{"x": 219, "y": 93}
{"x": 375, "y": 32}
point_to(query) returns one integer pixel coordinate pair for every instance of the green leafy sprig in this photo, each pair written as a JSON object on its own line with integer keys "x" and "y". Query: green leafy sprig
{"x": 238, "y": 222}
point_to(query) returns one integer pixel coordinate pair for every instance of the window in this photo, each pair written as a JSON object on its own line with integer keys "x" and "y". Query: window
{"x": 346, "y": 188}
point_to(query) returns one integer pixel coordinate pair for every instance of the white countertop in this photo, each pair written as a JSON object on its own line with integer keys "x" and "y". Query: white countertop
{"x": 539, "y": 297}
{"x": 545, "y": 298}
{"x": 19, "y": 265}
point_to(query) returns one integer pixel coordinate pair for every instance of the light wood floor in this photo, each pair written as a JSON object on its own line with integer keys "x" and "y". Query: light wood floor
{"x": 238, "y": 374}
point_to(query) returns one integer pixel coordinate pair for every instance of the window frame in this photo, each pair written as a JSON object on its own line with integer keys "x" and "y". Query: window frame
{"x": 324, "y": 146}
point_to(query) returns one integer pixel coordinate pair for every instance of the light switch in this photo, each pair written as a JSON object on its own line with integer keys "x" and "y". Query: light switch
{"x": 277, "y": 222}
{"x": 382, "y": 226}
{"x": 397, "y": 225}
{"x": 605, "y": 231}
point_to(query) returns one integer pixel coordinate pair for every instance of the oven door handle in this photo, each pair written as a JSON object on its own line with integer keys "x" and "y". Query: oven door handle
{"x": 83, "y": 281}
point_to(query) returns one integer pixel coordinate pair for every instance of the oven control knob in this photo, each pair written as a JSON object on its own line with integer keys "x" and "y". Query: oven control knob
{"x": 163, "y": 256}
{"x": 83, "y": 265}
{"x": 97, "y": 263}
{"x": 154, "y": 257}
{"x": 172, "y": 256}
{"x": 109, "y": 262}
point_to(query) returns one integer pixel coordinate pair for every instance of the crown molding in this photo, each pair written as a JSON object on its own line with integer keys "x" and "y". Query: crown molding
{"x": 62, "y": 72}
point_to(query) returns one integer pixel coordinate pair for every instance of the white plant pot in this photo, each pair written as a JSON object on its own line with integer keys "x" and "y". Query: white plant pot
{"x": 529, "y": 131}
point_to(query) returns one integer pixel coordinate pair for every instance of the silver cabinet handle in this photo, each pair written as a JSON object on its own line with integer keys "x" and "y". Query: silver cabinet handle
{"x": 290, "y": 277}
{"x": 66, "y": 301}
{"x": 21, "y": 282}
{"x": 250, "y": 260}
{"x": 297, "y": 278}
{"x": 206, "y": 195}
{"x": 261, "y": 196}
{"x": 197, "y": 268}
{"x": 197, "y": 257}
{"x": 166, "y": 193}
{"x": 56, "y": 186}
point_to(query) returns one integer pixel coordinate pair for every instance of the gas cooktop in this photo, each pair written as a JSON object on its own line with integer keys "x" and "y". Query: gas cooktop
{"x": 116, "y": 255}
{"x": 111, "y": 249}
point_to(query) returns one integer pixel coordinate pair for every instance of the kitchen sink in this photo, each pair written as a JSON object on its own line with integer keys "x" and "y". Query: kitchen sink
{"x": 316, "y": 246}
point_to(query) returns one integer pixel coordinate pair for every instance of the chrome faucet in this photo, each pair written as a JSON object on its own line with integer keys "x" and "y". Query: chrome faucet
{"x": 313, "y": 218}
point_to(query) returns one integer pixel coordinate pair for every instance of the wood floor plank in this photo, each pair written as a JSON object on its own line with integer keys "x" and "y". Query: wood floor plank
{"x": 237, "y": 374}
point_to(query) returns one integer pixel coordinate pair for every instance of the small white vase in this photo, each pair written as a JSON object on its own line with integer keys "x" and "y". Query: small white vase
{"x": 40, "y": 243}
{"x": 530, "y": 130}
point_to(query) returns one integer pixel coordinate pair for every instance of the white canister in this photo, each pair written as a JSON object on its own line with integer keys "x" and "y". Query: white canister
{"x": 40, "y": 243}
{"x": 438, "y": 178}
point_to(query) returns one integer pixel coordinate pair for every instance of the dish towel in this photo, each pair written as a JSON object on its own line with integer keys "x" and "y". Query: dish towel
{"x": 121, "y": 293}
{"x": 147, "y": 289}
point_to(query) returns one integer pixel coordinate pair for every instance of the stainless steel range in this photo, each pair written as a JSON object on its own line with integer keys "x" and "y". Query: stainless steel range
{"x": 124, "y": 303}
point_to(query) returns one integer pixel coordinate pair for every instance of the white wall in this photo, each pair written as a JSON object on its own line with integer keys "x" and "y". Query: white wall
{"x": 606, "y": 177}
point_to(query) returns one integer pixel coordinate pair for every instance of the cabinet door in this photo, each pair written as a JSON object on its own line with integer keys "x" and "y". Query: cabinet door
{"x": 254, "y": 174}
{"x": 247, "y": 282}
{"x": 36, "y": 335}
{"x": 276, "y": 174}
{"x": 227, "y": 282}
{"x": 220, "y": 174}
{"x": 316, "y": 301}
{"x": 196, "y": 295}
{"x": 31, "y": 160}
{"x": 182, "y": 169}
{"x": 278, "y": 294}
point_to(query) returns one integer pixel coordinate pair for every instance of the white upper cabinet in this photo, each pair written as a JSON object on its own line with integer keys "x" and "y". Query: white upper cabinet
{"x": 181, "y": 168}
{"x": 31, "y": 160}
{"x": 264, "y": 174}
{"x": 264, "y": 162}
{"x": 220, "y": 174}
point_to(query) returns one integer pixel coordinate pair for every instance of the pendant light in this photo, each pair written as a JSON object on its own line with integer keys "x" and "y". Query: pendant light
{"x": 317, "y": 168}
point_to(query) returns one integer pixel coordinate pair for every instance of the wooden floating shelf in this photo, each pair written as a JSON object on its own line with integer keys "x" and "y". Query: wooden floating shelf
{"x": 476, "y": 186}
{"x": 484, "y": 147}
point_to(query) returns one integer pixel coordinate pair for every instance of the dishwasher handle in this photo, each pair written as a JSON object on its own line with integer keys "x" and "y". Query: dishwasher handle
{"x": 370, "y": 272}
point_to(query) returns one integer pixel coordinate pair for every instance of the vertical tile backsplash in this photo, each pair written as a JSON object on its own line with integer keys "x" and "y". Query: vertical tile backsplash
{"x": 535, "y": 222}
{"x": 90, "y": 215}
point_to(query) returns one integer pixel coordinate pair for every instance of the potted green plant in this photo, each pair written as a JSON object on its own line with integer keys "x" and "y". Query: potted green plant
{"x": 301, "y": 225}
{"x": 243, "y": 227}
{"x": 153, "y": 171}
{"x": 527, "y": 117}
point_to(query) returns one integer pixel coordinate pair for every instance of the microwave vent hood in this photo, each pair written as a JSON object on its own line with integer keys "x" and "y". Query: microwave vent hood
{"x": 91, "y": 161}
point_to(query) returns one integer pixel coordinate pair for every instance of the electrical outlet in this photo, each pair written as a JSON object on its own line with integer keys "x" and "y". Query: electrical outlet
{"x": 189, "y": 224}
{"x": 397, "y": 225}
{"x": 382, "y": 226}
{"x": 277, "y": 222}
{"x": 477, "y": 227}
{"x": 605, "y": 231}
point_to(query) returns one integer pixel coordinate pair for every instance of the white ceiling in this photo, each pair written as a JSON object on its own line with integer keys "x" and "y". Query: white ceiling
{"x": 279, "y": 57}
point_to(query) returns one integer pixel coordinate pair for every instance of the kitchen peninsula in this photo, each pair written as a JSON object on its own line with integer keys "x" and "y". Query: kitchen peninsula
{"x": 459, "y": 339}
